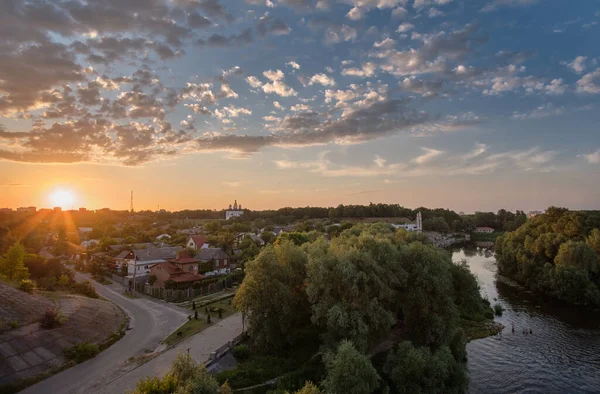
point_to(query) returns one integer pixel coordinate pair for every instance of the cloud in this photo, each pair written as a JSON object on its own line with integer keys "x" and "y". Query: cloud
{"x": 266, "y": 24}
{"x": 388, "y": 43}
{"x": 556, "y": 87}
{"x": 336, "y": 34}
{"x": 355, "y": 13}
{"x": 232, "y": 184}
{"x": 231, "y": 111}
{"x": 593, "y": 158}
{"x": 478, "y": 150}
{"x": 429, "y": 155}
{"x": 300, "y": 108}
{"x": 589, "y": 83}
{"x": 322, "y": 79}
{"x": 399, "y": 12}
{"x": 542, "y": 111}
{"x": 577, "y": 64}
{"x": 277, "y": 105}
{"x": 293, "y": 65}
{"x": 404, "y": 27}
{"x": 495, "y": 4}
{"x": 367, "y": 70}
{"x": 221, "y": 41}
{"x": 424, "y": 88}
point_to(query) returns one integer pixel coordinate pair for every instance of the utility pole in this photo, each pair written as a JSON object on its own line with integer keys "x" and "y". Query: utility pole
{"x": 131, "y": 206}
{"x": 134, "y": 272}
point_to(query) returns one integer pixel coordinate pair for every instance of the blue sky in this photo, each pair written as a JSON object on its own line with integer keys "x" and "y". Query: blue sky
{"x": 470, "y": 105}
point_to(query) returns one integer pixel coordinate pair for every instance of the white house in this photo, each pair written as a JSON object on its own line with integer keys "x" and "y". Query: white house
{"x": 139, "y": 261}
{"x": 484, "y": 230}
{"x": 417, "y": 226}
{"x": 234, "y": 211}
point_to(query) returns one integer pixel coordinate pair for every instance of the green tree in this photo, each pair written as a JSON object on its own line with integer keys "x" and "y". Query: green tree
{"x": 273, "y": 296}
{"x": 430, "y": 314}
{"x": 419, "y": 370}
{"x": 349, "y": 372}
{"x": 267, "y": 236}
{"x": 309, "y": 388}
{"x": 577, "y": 255}
{"x": 593, "y": 240}
{"x": 351, "y": 287}
{"x": 12, "y": 265}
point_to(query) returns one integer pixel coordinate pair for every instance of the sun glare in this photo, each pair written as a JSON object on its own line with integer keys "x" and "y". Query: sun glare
{"x": 62, "y": 198}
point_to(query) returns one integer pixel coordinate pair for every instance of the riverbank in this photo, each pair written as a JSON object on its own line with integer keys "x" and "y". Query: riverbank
{"x": 477, "y": 330}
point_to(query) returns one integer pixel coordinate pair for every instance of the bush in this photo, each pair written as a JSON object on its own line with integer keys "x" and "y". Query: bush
{"x": 52, "y": 318}
{"x": 85, "y": 288}
{"x": 241, "y": 353}
{"x": 81, "y": 352}
{"x": 27, "y": 286}
{"x": 498, "y": 309}
{"x": 14, "y": 324}
{"x": 255, "y": 371}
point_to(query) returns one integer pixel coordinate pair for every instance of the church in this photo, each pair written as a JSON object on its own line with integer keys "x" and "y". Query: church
{"x": 234, "y": 211}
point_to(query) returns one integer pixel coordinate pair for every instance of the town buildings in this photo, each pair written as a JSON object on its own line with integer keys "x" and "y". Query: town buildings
{"x": 487, "y": 230}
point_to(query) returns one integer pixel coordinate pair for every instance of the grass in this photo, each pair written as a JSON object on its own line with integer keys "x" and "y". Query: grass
{"x": 190, "y": 328}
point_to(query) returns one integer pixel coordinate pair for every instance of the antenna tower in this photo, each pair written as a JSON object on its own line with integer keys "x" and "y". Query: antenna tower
{"x": 131, "y": 206}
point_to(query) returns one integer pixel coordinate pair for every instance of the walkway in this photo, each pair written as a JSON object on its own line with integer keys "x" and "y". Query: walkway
{"x": 200, "y": 346}
{"x": 150, "y": 322}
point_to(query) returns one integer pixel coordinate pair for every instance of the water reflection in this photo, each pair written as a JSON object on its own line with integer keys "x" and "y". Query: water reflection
{"x": 561, "y": 356}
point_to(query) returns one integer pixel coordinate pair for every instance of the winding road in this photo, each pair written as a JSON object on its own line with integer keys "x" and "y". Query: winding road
{"x": 150, "y": 322}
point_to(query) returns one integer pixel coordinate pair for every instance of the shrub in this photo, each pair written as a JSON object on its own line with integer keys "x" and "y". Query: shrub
{"x": 498, "y": 309}
{"x": 64, "y": 280}
{"x": 27, "y": 286}
{"x": 81, "y": 352}
{"x": 52, "y": 318}
{"x": 241, "y": 353}
{"x": 14, "y": 324}
{"x": 85, "y": 288}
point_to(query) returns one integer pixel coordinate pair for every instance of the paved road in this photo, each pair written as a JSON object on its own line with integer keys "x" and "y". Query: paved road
{"x": 200, "y": 346}
{"x": 151, "y": 321}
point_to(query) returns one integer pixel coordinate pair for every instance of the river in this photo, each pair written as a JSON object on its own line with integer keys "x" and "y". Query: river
{"x": 561, "y": 356}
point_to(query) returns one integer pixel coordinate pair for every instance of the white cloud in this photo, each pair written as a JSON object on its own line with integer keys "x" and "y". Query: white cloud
{"x": 355, "y": 13}
{"x": 279, "y": 88}
{"x": 495, "y": 4}
{"x": 274, "y": 75}
{"x": 388, "y": 43}
{"x": 293, "y": 64}
{"x": 232, "y": 111}
{"x": 232, "y": 184}
{"x": 337, "y": 34}
{"x": 254, "y": 82}
{"x": 277, "y": 105}
{"x": 380, "y": 161}
{"x": 589, "y": 83}
{"x": 404, "y": 27}
{"x": 577, "y": 64}
{"x": 556, "y": 87}
{"x": 271, "y": 118}
{"x": 478, "y": 150}
{"x": 434, "y": 13}
{"x": 593, "y": 158}
{"x": 542, "y": 111}
{"x": 300, "y": 108}
{"x": 340, "y": 95}
{"x": 429, "y": 155}
{"x": 367, "y": 70}
{"x": 322, "y": 79}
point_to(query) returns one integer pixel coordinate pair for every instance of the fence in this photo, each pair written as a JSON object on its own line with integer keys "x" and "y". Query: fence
{"x": 180, "y": 295}
{"x": 220, "y": 352}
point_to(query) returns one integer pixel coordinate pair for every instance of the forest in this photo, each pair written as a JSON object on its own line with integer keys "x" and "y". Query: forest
{"x": 557, "y": 253}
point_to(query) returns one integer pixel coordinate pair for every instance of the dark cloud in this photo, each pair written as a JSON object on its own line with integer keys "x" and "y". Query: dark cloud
{"x": 268, "y": 25}
{"x": 366, "y": 123}
{"x": 197, "y": 21}
{"x": 218, "y": 40}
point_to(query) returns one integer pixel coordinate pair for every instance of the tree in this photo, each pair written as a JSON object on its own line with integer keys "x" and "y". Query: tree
{"x": 309, "y": 388}
{"x": 430, "y": 314}
{"x": 351, "y": 287}
{"x": 349, "y": 372}
{"x": 593, "y": 240}
{"x": 12, "y": 265}
{"x": 267, "y": 236}
{"x": 577, "y": 255}
{"x": 152, "y": 280}
{"x": 184, "y": 377}
{"x": 419, "y": 370}
{"x": 273, "y": 297}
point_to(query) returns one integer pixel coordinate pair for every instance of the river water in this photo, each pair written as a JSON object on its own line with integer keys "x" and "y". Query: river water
{"x": 561, "y": 356}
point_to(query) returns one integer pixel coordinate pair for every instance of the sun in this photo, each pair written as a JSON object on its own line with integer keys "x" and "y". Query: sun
{"x": 62, "y": 198}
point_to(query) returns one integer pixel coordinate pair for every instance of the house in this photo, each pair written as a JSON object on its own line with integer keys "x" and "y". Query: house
{"x": 234, "y": 211}
{"x": 484, "y": 230}
{"x": 163, "y": 236}
{"x": 84, "y": 232}
{"x": 412, "y": 227}
{"x": 196, "y": 242}
{"x": 171, "y": 272}
{"x": 90, "y": 243}
{"x": 189, "y": 231}
{"x": 26, "y": 209}
{"x": 139, "y": 261}
{"x": 186, "y": 263}
{"x": 45, "y": 253}
{"x": 532, "y": 214}
{"x": 240, "y": 237}
{"x": 220, "y": 260}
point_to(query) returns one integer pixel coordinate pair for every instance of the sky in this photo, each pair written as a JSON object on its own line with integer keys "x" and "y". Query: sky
{"x": 467, "y": 105}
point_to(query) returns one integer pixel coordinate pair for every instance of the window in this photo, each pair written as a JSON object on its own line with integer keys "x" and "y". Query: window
{"x": 225, "y": 262}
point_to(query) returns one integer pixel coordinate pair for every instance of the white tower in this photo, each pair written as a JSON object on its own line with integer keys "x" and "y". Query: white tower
{"x": 419, "y": 222}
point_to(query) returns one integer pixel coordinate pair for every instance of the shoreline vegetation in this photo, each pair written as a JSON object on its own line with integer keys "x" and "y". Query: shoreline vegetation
{"x": 556, "y": 254}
